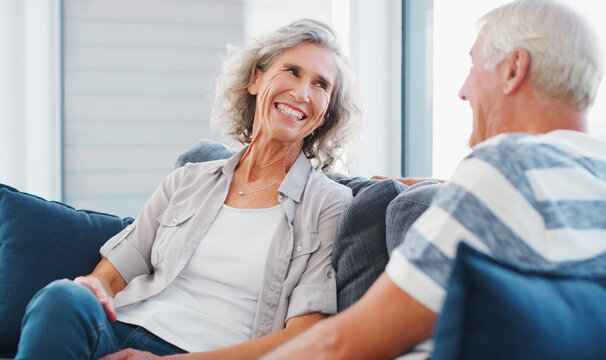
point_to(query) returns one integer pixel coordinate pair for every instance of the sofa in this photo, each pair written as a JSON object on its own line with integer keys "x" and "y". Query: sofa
{"x": 493, "y": 310}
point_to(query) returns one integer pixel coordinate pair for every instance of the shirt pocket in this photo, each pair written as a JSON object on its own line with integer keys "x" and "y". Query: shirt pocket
{"x": 303, "y": 248}
{"x": 171, "y": 223}
{"x": 307, "y": 244}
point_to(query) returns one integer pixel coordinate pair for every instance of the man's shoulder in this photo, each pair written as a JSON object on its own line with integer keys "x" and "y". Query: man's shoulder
{"x": 510, "y": 143}
{"x": 567, "y": 141}
{"x": 523, "y": 151}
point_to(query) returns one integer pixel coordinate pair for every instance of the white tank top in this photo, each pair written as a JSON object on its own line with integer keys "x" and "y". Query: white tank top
{"x": 212, "y": 302}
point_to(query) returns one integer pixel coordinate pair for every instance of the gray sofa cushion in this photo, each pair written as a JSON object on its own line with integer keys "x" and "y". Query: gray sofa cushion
{"x": 360, "y": 254}
{"x": 405, "y": 209}
{"x": 205, "y": 150}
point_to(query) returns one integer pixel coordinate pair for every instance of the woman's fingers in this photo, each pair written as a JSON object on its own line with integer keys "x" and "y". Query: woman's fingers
{"x": 110, "y": 310}
{"x": 94, "y": 285}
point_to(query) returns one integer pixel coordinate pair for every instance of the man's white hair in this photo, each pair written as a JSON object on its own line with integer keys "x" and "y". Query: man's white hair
{"x": 565, "y": 59}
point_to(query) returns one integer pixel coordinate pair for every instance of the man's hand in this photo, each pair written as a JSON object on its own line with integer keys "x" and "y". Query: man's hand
{"x": 406, "y": 181}
{"x": 130, "y": 354}
{"x": 104, "y": 298}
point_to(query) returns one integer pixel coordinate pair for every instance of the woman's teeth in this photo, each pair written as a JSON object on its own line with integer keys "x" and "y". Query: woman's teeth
{"x": 289, "y": 112}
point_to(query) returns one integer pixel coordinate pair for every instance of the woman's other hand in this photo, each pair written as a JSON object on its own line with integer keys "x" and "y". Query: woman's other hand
{"x": 107, "y": 301}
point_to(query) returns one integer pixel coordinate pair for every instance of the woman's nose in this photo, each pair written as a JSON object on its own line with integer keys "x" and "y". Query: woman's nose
{"x": 301, "y": 92}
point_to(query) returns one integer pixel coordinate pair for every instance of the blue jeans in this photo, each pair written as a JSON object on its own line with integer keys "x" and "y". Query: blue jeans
{"x": 66, "y": 321}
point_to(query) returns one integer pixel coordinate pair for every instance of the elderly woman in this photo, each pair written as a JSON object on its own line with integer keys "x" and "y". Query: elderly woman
{"x": 229, "y": 258}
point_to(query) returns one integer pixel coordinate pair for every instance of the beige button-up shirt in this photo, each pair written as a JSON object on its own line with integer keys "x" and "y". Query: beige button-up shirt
{"x": 299, "y": 276}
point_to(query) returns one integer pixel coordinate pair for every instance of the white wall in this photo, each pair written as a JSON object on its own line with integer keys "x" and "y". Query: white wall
{"x": 11, "y": 93}
{"x": 376, "y": 53}
{"x": 30, "y": 153}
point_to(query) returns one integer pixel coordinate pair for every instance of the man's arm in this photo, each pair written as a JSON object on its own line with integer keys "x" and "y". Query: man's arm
{"x": 383, "y": 324}
{"x": 252, "y": 349}
{"x": 407, "y": 181}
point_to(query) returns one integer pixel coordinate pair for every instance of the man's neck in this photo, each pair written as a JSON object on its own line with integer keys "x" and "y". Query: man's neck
{"x": 531, "y": 115}
{"x": 555, "y": 115}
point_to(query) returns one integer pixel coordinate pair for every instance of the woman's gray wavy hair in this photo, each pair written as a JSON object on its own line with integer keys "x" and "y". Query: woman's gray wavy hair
{"x": 234, "y": 106}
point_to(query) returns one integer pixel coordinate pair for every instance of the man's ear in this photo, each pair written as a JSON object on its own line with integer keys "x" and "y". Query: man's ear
{"x": 253, "y": 86}
{"x": 515, "y": 70}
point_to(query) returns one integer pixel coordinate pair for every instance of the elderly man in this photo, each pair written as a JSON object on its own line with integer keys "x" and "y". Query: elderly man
{"x": 532, "y": 191}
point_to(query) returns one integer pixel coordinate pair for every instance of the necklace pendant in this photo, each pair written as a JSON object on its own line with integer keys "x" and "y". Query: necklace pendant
{"x": 240, "y": 193}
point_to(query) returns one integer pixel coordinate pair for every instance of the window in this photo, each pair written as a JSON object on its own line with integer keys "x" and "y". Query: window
{"x": 454, "y": 34}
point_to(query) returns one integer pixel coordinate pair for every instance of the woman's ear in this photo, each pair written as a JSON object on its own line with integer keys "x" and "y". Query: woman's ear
{"x": 253, "y": 86}
{"x": 515, "y": 70}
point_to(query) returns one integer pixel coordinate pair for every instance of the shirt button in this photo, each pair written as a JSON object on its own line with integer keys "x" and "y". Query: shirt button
{"x": 299, "y": 248}
{"x": 174, "y": 221}
{"x": 281, "y": 196}
{"x": 129, "y": 228}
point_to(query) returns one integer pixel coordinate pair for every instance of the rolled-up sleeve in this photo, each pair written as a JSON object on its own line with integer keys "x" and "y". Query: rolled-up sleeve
{"x": 316, "y": 290}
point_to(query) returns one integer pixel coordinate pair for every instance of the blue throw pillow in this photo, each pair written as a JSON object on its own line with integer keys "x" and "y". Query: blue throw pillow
{"x": 41, "y": 241}
{"x": 497, "y": 310}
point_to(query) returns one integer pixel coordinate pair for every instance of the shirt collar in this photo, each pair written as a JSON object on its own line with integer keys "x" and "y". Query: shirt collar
{"x": 293, "y": 184}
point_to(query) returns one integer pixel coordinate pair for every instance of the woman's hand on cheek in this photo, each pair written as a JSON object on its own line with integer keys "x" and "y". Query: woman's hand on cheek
{"x": 130, "y": 354}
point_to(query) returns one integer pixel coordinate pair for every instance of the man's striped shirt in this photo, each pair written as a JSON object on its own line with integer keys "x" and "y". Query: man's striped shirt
{"x": 538, "y": 200}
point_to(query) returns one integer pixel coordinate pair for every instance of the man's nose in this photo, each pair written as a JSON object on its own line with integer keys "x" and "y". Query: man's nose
{"x": 463, "y": 90}
{"x": 462, "y": 94}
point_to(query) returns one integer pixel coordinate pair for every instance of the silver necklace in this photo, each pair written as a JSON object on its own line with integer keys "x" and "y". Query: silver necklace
{"x": 242, "y": 193}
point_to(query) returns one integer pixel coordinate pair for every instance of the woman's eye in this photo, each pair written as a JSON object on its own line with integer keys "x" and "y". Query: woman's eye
{"x": 292, "y": 71}
{"x": 322, "y": 85}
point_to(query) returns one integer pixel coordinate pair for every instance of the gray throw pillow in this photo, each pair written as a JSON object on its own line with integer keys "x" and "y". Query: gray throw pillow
{"x": 205, "y": 150}
{"x": 359, "y": 254}
{"x": 405, "y": 209}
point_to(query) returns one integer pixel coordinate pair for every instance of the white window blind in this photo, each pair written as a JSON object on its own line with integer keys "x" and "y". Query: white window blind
{"x": 138, "y": 78}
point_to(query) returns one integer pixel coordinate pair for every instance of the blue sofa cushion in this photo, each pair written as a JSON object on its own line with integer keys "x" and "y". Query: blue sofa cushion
{"x": 41, "y": 241}
{"x": 497, "y": 310}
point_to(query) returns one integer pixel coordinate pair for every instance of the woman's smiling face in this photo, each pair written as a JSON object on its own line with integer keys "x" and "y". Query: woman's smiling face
{"x": 293, "y": 94}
